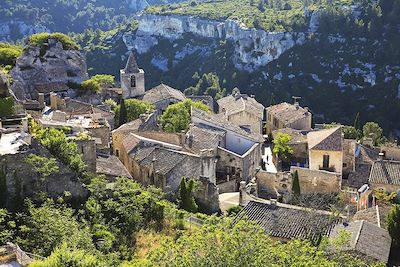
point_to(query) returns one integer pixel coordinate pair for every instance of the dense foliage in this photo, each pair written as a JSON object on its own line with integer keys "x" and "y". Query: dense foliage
{"x": 208, "y": 84}
{"x": 42, "y": 39}
{"x": 177, "y": 117}
{"x": 393, "y": 225}
{"x": 281, "y": 146}
{"x": 7, "y": 106}
{"x": 9, "y": 54}
{"x": 270, "y": 15}
{"x": 186, "y": 197}
{"x": 134, "y": 108}
{"x": 244, "y": 245}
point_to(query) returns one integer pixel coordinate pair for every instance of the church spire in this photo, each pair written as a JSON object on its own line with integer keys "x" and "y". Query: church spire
{"x": 131, "y": 65}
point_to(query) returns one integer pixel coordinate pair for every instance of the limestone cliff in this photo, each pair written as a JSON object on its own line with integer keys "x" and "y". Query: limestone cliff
{"x": 14, "y": 30}
{"x": 46, "y": 66}
{"x": 253, "y": 47}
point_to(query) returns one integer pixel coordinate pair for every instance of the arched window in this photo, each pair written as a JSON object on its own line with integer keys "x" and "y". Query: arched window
{"x": 133, "y": 81}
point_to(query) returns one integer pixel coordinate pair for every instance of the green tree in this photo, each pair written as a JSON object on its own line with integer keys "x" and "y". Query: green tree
{"x": 6, "y": 227}
{"x": 3, "y": 188}
{"x": 43, "y": 166}
{"x": 6, "y": 106}
{"x": 282, "y": 147}
{"x": 296, "y": 184}
{"x": 123, "y": 113}
{"x": 47, "y": 227}
{"x": 91, "y": 85}
{"x": 186, "y": 197}
{"x": 133, "y": 109}
{"x": 374, "y": 131}
{"x": 177, "y": 117}
{"x": 393, "y": 225}
{"x": 104, "y": 80}
{"x": 65, "y": 256}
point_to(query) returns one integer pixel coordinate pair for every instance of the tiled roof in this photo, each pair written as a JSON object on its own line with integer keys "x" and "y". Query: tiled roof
{"x": 111, "y": 166}
{"x": 327, "y": 139}
{"x": 385, "y": 172}
{"x": 287, "y": 223}
{"x": 376, "y": 215}
{"x": 288, "y": 113}
{"x": 162, "y": 160}
{"x": 360, "y": 176}
{"x": 50, "y": 87}
{"x": 162, "y": 92}
{"x": 130, "y": 142}
{"x": 220, "y": 123}
{"x": 241, "y": 102}
{"x": 296, "y": 135}
{"x": 147, "y": 124}
{"x": 367, "y": 239}
{"x": 131, "y": 65}
{"x": 76, "y": 107}
{"x": 202, "y": 139}
{"x": 366, "y": 155}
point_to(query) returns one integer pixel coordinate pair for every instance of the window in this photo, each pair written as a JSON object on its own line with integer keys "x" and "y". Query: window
{"x": 133, "y": 81}
{"x": 117, "y": 153}
{"x": 344, "y": 165}
{"x": 276, "y": 123}
{"x": 325, "y": 163}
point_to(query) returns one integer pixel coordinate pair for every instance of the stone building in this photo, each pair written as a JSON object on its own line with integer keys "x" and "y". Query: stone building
{"x": 287, "y": 115}
{"x": 326, "y": 150}
{"x": 132, "y": 79}
{"x": 239, "y": 151}
{"x": 242, "y": 110}
{"x": 385, "y": 174}
{"x": 162, "y": 96}
{"x": 298, "y": 142}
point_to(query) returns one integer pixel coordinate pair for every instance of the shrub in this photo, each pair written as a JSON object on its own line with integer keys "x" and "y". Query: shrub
{"x": 43, "y": 38}
{"x": 6, "y": 107}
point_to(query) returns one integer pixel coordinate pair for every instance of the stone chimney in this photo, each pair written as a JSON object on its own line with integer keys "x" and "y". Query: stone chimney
{"x": 41, "y": 101}
{"x": 382, "y": 155}
{"x": 53, "y": 101}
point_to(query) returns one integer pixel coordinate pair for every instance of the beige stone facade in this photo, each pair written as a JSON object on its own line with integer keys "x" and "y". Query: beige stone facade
{"x": 286, "y": 115}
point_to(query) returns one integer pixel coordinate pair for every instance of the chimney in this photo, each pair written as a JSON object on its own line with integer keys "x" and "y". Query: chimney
{"x": 42, "y": 104}
{"x": 252, "y": 96}
{"x": 382, "y": 155}
{"x": 53, "y": 101}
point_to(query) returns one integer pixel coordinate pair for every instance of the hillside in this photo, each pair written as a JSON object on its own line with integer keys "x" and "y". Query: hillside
{"x": 20, "y": 18}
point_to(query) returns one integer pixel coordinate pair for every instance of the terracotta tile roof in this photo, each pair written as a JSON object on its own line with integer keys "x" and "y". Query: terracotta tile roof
{"x": 288, "y": 113}
{"x": 367, "y": 239}
{"x": 287, "y": 223}
{"x": 240, "y": 102}
{"x": 111, "y": 166}
{"x": 385, "y": 172}
{"x": 162, "y": 92}
{"x": 218, "y": 122}
{"x": 327, "y": 139}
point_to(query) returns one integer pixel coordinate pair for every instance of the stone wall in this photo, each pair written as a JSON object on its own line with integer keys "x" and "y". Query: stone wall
{"x": 349, "y": 156}
{"x": 274, "y": 185}
{"x": 88, "y": 150}
{"x": 312, "y": 181}
{"x": 335, "y": 160}
{"x": 18, "y": 170}
{"x": 227, "y": 187}
{"x": 247, "y": 118}
{"x": 391, "y": 153}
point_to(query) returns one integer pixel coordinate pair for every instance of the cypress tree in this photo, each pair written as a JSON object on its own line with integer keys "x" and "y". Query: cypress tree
{"x": 186, "y": 198}
{"x": 296, "y": 184}
{"x": 3, "y": 188}
{"x": 393, "y": 225}
{"x": 123, "y": 114}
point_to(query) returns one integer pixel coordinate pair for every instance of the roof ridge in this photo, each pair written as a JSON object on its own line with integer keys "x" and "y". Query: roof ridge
{"x": 358, "y": 233}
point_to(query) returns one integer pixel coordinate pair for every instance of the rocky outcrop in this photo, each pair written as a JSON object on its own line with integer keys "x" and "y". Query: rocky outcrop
{"x": 253, "y": 48}
{"x": 43, "y": 68}
{"x": 137, "y": 5}
{"x": 13, "y": 30}
{"x": 3, "y": 85}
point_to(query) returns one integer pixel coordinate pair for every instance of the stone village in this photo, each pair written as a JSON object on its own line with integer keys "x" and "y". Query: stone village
{"x": 229, "y": 150}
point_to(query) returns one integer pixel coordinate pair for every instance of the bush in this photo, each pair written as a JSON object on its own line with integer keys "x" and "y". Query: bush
{"x": 9, "y": 54}
{"x": 43, "y": 38}
{"x": 91, "y": 85}
{"x": 6, "y": 107}
{"x": 134, "y": 108}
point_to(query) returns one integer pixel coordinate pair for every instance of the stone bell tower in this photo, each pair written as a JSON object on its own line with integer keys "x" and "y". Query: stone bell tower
{"x": 132, "y": 79}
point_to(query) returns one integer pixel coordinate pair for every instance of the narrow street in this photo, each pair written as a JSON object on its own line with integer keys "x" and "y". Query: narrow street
{"x": 267, "y": 158}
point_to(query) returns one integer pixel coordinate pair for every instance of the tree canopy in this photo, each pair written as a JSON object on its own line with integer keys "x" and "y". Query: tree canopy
{"x": 134, "y": 108}
{"x": 282, "y": 147}
{"x": 177, "y": 117}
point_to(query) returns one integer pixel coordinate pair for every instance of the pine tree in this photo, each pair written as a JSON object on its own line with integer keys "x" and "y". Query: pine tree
{"x": 123, "y": 114}
{"x": 3, "y": 189}
{"x": 296, "y": 184}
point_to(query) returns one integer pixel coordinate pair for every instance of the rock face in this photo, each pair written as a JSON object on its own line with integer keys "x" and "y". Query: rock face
{"x": 3, "y": 86}
{"x": 48, "y": 65}
{"x": 253, "y": 48}
{"x": 12, "y": 30}
{"x": 137, "y": 5}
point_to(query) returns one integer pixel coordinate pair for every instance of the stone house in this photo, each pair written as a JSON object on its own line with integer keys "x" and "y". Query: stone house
{"x": 242, "y": 110}
{"x": 239, "y": 151}
{"x": 326, "y": 150}
{"x": 364, "y": 159}
{"x": 298, "y": 142}
{"x": 287, "y": 115}
{"x": 162, "y": 96}
{"x": 152, "y": 162}
{"x": 367, "y": 240}
{"x": 385, "y": 174}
